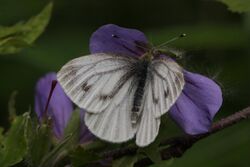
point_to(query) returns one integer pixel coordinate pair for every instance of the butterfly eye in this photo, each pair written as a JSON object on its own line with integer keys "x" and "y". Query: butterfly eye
{"x": 156, "y": 52}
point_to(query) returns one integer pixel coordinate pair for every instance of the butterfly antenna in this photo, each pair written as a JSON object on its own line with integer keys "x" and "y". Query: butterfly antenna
{"x": 171, "y": 40}
{"x": 136, "y": 43}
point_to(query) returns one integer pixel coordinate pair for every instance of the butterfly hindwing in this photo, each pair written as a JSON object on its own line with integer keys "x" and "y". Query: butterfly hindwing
{"x": 148, "y": 126}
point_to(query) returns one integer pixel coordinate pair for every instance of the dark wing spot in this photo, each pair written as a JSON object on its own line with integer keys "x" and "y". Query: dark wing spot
{"x": 166, "y": 93}
{"x": 71, "y": 73}
{"x": 86, "y": 87}
{"x": 155, "y": 100}
{"x": 103, "y": 97}
{"x": 113, "y": 93}
{"x": 71, "y": 82}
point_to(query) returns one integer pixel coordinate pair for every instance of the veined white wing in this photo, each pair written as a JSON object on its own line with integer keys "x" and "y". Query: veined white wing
{"x": 104, "y": 85}
{"x": 91, "y": 81}
{"x": 148, "y": 126}
{"x": 163, "y": 86}
{"x": 114, "y": 124}
{"x": 167, "y": 84}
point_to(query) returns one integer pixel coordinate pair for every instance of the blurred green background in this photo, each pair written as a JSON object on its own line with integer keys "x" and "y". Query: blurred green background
{"x": 217, "y": 45}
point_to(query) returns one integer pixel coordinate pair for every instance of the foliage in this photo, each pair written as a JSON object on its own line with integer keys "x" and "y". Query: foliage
{"x": 30, "y": 141}
{"x": 56, "y": 154}
{"x": 73, "y": 129}
{"x": 14, "y": 38}
{"x": 237, "y": 5}
{"x": 1, "y": 135}
{"x": 65, "y": 145}
{"x": 81, "y": 157}
{"x": 39, "y": 143}
{"x": 11, "y": 105}
{"x": 165, "y": 163}
{"x": 14, "y": 145}
{"x": 126, "y": 161}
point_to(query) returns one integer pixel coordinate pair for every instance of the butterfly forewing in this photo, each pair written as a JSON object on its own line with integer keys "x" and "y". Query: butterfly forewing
{"x": 167, "y": 84}
{"x": 91, "y": 81}
{"x": 104, "y": 85}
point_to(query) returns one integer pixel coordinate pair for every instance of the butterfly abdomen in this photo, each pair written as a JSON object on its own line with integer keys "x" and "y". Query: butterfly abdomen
{"x": 141, "y": 72}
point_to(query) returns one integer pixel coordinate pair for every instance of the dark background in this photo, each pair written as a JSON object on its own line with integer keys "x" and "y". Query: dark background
{"x": 217, "y": 45}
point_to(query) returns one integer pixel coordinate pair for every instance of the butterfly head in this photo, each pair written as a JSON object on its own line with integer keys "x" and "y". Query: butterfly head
{"x": 155, "y": 51}
{"x": 164, "y": 49}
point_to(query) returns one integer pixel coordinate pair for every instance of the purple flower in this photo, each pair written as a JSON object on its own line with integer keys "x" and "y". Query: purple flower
{"x": 60, "y": 107}
{"x": 201, "y": 98}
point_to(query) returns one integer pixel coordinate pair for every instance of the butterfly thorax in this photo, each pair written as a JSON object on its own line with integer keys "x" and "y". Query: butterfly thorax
{"x": 148, "y": 56}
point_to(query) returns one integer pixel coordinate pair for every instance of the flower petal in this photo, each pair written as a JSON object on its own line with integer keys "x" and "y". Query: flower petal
{"x": 60, "y": 107}
{"x": 197, "y": 105}
{"x": 111, "y": 38}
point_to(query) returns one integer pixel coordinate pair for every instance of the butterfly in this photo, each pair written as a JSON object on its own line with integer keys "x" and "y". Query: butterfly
{"x": 124, "y": 96}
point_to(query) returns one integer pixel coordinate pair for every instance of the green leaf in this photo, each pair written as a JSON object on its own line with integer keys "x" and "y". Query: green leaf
{"x": 11, "y": 105}
{"x": 168, "y": 129}
{"x": 73, "y": 128}
{"x": 165, "y": 163}
{"x": 13, "y": 39}
{"x": 81, "y": 157}
{"x": 152, "y": 152}
{"x": 95, "y": 145}
{"x": 237, "y": 5}
{"x": 1, "y": 136}
{"x": 39, "y": 143}
{"x": 57, "y": 153}
{"x": 126, "y": 161}
{"x": 68, "y": 143}
{"x": 14, "y": 145}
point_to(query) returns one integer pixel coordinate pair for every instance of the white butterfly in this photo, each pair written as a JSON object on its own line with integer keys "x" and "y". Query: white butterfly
{"x": 124, "y": 96}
